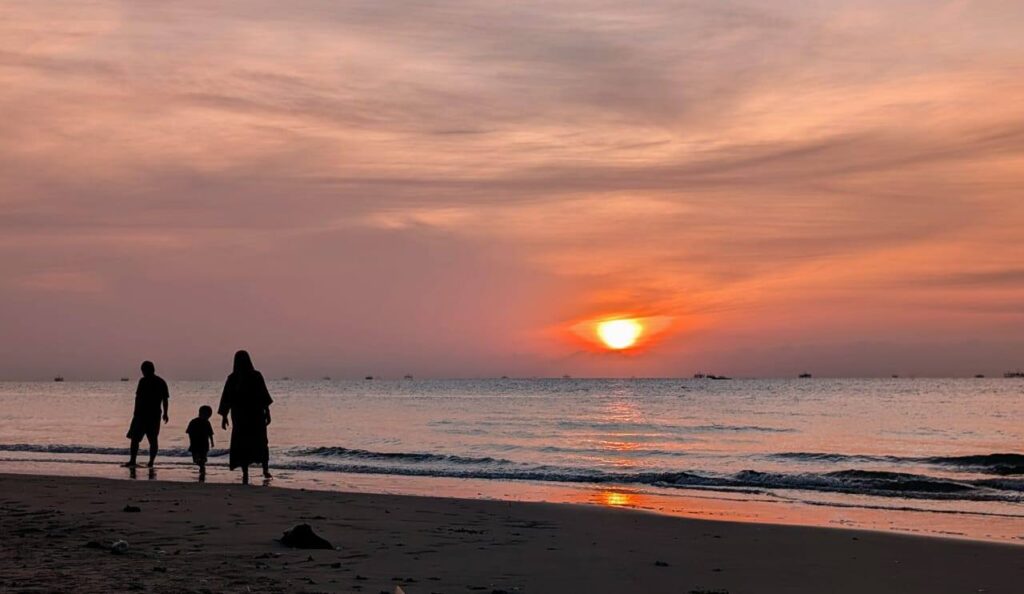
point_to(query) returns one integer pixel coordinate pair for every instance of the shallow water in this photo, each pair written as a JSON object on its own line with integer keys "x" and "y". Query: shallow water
{"x": 816, "y": 448}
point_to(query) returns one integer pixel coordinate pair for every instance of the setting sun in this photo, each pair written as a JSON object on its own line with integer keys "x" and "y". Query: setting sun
{"x": 619, "y": 334}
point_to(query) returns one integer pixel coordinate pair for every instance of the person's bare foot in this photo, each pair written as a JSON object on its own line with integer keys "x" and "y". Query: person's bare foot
{"x": 129, "y": 465}
{"x": 266, "y": 474}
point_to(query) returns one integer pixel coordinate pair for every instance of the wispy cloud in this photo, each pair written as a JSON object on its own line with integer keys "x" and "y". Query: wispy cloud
{"x": 730, "y": 166}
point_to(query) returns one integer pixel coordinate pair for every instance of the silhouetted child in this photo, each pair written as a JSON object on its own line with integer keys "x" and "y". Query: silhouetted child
{"x": 200, "y": 438}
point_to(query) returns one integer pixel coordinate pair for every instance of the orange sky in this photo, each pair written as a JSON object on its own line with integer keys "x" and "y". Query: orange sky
{"x": 450, "y": 188}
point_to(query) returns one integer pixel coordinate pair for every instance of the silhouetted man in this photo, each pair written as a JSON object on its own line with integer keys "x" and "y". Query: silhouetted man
{"x": 150, "y": 397}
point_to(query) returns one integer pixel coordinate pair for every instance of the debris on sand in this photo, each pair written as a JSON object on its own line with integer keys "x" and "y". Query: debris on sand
{"x": 132, "y": 509}
{"x": 119, "y": 547}
{"x": 303, "y": 537}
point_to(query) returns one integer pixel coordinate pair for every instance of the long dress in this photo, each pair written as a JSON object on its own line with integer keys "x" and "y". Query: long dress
{"x": 246, "y": 398}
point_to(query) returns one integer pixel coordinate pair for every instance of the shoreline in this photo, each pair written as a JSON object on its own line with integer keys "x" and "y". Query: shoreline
{"x": 885, "y": 515}
{"x": 224, "y": 534}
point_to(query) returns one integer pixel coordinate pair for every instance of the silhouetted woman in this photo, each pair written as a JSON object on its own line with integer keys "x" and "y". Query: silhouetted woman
{"x": 246, "y": 398}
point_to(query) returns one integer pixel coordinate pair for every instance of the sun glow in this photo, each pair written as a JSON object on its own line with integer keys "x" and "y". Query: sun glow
{"x": 616, "y": 499}
{"x": 619, "y": 334}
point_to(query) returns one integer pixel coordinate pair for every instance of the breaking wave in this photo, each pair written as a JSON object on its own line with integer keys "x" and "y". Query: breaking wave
{"x": 995, "y": 464}
{"x": 855, "y": 481}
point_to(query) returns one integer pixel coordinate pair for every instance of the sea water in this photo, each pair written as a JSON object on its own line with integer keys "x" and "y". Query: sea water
{"x": 940, "y": 456}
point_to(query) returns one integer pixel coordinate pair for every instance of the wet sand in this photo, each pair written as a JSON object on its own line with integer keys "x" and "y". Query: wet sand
{"x": 221, "y": 538}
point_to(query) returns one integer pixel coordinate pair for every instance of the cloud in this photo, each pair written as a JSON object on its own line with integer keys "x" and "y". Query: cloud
{"x": 714, "y": 162}
{"x": 1012, "y": 278}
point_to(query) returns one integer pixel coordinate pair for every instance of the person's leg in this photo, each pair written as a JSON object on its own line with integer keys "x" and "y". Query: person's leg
{"x": 154, "y": 445}
{"x": 134, "y": 452}
{"x": 202, "y": 469}
{"x": 245, "y": 474}
{"x": 266, "y": 469}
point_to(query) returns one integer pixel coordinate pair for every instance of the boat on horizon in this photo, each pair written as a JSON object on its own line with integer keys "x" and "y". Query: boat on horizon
{"x": 58, "y": 378}
{"x": 710, "y": 376}
{"x": 1010, "y": 374}
{"x": 805, "y": 376}
{"x": 124, "y": 379}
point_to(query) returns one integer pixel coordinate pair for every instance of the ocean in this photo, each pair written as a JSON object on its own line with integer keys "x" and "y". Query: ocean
{"x": 931, "y": 456}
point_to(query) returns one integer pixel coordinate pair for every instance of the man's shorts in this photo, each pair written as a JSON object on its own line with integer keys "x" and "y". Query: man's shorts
{"x": 141, "y": 427}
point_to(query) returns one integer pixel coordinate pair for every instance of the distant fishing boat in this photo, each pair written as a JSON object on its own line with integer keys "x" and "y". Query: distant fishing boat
{"x": 699, "y": 376}
{"x": 59, "y": 378}
{"x": 369, "y": 377}
{"x": 718, "y": 377}
{"x": 979, "y": 375}
{"x": 326, "y": 378}
{"x": 805, "y": 376}
{"x": 408, "y": 376}
{"x": 1010, "y": 374}
{"x": 124, "y": 379}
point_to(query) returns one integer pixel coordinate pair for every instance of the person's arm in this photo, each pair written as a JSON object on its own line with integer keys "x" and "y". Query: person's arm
{"x": 267, "y": 400}
{"x": 225, "y": 404}
{"x": 166, "y": 403}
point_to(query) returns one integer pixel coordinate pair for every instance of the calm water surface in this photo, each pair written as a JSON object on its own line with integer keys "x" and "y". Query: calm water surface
{"x": 936, "y": 456}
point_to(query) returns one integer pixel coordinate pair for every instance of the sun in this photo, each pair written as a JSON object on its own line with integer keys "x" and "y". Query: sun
{"x": 619, "y": 334}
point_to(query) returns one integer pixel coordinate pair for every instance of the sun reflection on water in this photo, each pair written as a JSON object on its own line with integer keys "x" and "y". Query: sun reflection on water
{"x": 616, "y": 498}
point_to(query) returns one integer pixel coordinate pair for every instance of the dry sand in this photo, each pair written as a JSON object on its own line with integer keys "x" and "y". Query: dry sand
{"x": 221, "y": 538}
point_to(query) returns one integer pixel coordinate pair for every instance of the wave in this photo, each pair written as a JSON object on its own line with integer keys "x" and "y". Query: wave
{"x": 339, "y": 452}
{"x": 860, "y": 482}
{"x": 104, "y": 451}
{"x": 737, "y": 428}
{"x": 855, "y": 481}
{"x": 998, "y": 464}
{"x": 995, "y": 464}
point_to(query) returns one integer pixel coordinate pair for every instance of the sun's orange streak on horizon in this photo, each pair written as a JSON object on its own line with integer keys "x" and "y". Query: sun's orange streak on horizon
{"x": 586, "y": 333}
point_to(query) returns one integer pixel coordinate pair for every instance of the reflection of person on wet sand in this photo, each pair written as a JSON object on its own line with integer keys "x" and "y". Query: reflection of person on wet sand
{"x": 150, "y": 396}
{"x": 247, "y": 400}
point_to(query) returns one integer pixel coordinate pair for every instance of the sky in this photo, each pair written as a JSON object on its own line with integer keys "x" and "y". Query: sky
{"x": 459, "y": 188}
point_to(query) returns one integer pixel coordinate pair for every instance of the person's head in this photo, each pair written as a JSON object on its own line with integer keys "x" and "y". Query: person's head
{"x": 205, "y": 412}
{"x": 148, "y": 368}
{"x": 243, "y": 363}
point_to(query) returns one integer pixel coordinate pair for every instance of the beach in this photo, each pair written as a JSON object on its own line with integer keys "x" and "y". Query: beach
{"x": 921, "y": 456}
{"x": 223, "y": 538}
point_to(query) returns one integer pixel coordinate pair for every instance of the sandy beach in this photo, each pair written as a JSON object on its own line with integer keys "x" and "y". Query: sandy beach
{"x": 222, "y": 538}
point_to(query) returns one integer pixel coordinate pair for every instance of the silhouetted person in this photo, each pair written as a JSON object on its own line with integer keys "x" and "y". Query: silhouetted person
{"x": 200, "y": 438}
{"x": 150, "y": 396}
{"x": 247, "y": 400}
